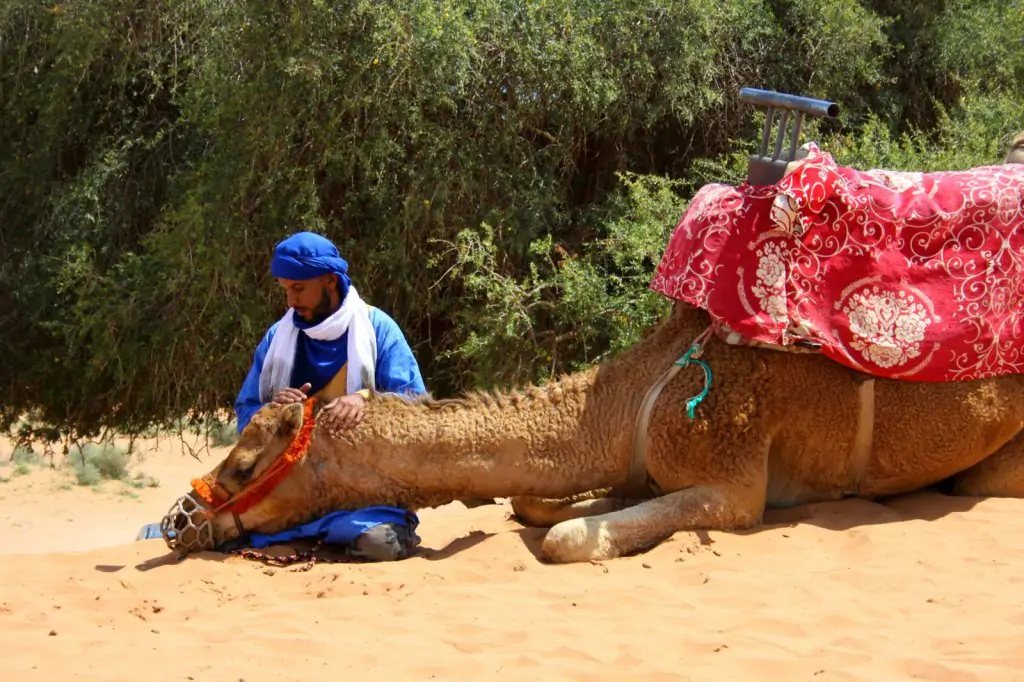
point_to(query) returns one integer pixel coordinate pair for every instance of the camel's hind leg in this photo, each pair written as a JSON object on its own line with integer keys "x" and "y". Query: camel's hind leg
{"x": 545, "y": 512}
{"x": 999, "y": 475}
{"x": 621, "y": 532}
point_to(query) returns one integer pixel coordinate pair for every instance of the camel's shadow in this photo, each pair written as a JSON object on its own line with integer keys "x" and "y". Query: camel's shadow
{"x": 459, "y": 544}
{"x": 928, "y": 504}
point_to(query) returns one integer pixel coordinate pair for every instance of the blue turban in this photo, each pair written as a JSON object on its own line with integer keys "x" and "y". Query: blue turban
{"x": 305, "y": 255}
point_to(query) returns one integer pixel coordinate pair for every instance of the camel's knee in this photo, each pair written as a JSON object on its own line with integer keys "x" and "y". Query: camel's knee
{"x": 542, "y": 512}
{"x": 533, "y": 511}
{"x": 999, "y": 475}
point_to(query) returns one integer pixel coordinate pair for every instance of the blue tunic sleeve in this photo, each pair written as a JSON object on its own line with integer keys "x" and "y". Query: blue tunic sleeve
{"x": 248, "y": 401}
{"x": 397, "y": 370}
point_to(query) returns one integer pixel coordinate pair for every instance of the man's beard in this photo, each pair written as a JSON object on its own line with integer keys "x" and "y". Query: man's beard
{"x": 323, "y": 308}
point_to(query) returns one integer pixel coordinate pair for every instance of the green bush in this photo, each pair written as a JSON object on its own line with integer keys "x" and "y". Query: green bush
{"x": 498, "y": 172}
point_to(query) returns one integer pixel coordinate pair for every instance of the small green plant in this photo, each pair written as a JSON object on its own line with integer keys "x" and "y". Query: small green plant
{"x": 224, "y": 435}
{"x": 94, "y": 463}
{"x": 25, "y": 455}
{"x": 141, "y": 480}
{"x": 23, "y": 458}
{"x": 86, "y": 473}
{"x": 221, "y": 434}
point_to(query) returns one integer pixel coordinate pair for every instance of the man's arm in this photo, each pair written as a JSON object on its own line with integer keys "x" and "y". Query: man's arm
{"x": 248, "y": 401}
{"x": 397, "y": 370}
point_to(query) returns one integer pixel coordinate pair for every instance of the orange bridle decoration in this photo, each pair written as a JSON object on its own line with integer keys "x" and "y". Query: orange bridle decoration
{"x": 218, "y": 499}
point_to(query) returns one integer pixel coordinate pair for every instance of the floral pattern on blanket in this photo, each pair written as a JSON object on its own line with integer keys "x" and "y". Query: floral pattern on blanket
{"x": 905, "y": 275}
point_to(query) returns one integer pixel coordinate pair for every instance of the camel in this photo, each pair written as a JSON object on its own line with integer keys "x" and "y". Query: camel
{"x": 612, "y": 466}
{"x": 1016, "y": 152}
{"x": 778, "y": 429}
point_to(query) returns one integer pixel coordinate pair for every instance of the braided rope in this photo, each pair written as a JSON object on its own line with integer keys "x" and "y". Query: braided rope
{"x": 692, "y": 357}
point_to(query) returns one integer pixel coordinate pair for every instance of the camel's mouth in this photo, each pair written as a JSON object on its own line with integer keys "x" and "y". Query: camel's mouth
{"x": 187, "y": 527}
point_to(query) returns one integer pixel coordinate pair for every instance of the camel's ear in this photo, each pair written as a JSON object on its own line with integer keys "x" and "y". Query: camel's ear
{"x": 291, "y": 419}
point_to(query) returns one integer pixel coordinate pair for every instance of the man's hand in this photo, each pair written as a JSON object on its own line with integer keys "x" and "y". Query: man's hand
{"x": 287, "y": 396}
{"x": 345, "y": 412}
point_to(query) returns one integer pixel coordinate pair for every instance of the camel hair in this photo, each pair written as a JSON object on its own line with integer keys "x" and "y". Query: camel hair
{"x": 777, "y": 429}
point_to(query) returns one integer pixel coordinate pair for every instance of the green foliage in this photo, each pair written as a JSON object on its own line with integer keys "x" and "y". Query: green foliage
{"x": 495, "y": 171}
{"x": 570, "y": 308}
{"x": 975, "y": 134}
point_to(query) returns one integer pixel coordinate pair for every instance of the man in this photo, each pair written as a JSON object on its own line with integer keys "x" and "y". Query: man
{"x": 331, "y": 345}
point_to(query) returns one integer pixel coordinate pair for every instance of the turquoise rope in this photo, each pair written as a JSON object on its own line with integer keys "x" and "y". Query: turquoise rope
{"x": 688, "y": 359}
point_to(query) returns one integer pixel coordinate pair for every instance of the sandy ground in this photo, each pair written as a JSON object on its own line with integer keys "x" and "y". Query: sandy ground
{"x": 923, "y": 587}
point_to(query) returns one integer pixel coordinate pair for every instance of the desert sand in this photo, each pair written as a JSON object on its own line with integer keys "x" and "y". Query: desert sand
{"x": 921, "y": 587}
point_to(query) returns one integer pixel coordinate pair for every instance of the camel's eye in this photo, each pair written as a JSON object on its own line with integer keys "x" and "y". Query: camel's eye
{"x": 244, "y": 466}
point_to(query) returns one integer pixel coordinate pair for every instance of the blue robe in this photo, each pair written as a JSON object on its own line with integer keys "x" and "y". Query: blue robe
{"x": 320, "y": 363}
{"x": 339, "y": 528}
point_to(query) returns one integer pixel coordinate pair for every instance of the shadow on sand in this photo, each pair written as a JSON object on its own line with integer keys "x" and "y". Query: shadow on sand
{"x": 929, "y": 504}
{"x": 324, "y": 554}
{"x": 460, "y": 544}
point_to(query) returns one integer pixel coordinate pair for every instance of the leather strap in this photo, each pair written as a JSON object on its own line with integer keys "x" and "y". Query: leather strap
{"x": 861, "y": 454}
{"x": 639, "y": 483}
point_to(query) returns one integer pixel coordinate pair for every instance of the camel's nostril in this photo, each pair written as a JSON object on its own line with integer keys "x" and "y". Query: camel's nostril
{"x": 175, "y": 525}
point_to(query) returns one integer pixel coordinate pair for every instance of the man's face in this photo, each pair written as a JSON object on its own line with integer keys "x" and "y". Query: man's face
{"x": 312, "y": 299}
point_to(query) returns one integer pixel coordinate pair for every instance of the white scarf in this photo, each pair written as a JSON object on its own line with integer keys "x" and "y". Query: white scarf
{"x": 353, "y": 317}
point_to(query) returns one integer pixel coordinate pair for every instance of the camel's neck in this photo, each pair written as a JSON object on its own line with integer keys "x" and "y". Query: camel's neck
{"x": 571, "y": 435}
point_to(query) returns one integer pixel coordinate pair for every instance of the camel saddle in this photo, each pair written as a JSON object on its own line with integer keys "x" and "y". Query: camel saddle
{"x": 902, "y": 275}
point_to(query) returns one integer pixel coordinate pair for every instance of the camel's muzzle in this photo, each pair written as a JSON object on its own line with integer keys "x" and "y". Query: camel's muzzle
{"x": 187, "y": 527}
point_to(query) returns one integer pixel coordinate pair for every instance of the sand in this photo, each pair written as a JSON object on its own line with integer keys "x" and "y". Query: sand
{"x": 922, "y": 587}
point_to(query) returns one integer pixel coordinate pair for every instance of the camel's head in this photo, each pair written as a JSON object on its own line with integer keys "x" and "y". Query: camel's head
{"x": 252, "y": 489}
{"x": 1016, "y": 153}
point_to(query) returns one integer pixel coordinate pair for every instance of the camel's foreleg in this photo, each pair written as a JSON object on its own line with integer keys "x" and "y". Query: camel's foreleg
{"x": 545, "y": 512}
{"x": 644, "y": 525}
{"x": 999, "y": 475}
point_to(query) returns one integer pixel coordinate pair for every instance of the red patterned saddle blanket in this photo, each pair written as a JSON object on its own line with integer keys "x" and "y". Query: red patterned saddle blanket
{"x": 905, "y": 275}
